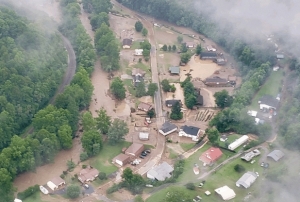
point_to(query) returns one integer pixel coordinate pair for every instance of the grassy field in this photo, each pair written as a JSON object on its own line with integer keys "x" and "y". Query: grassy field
{"x": 172, "y": 153}
{"x": 144, "y": 67}
{"x": 159, "y": 196}
{"x": 231, "y": 139}
{"x": 34, "y": 198}
{"x": 224, "y": 176}
{"x": 270, "y": 87}
{"x": 103, "y": 161}
{"x": 188, "y": 173}
{"x": 187, "y": 146}
{"x": 129, "y": 85}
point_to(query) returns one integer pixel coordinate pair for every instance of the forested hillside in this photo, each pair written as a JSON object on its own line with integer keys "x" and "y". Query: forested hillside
{"x": 32, "y": 63}
{"x": 31, "y": 69}
{"x": 254, "y": 60}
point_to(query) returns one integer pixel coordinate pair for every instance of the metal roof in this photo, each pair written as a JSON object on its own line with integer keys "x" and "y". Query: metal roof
{"x": 276, "y": 155}
{"x": 246, "y": 180}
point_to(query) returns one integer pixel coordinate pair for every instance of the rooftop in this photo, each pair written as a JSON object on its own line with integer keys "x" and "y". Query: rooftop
{"x": 87, "y": 173}
{"x": 208, "y": 54}
{"x": 134, "y": 148}
{"x": 127, "y": 42}
{"x": 225, "y": 192}
{"x": 269, "y": 100}
{"x": 172, "y": 102}
{"x": 167, "y": 126}
{"x": 250, "y": 155}
{"x": 211, "y": 155}
{"x": 191, "y": 130}
{"x": 122, "y": 157}
{"x": 58, "y": 181}
{"x": 276, "y": 155}
{"x": 174, "y": 70}
{"x": 161, "y": 171}
{"x": 145, "y": 106}
{"x": 215, "y": 79}
{"x": 246, "y": 180}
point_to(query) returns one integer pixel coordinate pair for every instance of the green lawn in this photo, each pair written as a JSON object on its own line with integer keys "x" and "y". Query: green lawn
{"x": 231, "y": 139}
{"x": 144, "y": 67}
{"x": 187, "y": 146}
{"x": 34, "y": 198}
{"x": 129, "y": 85}
{"x": 270, "y": 87}
{"x": 172, "y": 153}
{"x": 159, "y": 196}
{"x": 103, "y": 161}
{"x": 188, "y": 173}
{"x": 135, "y": 45}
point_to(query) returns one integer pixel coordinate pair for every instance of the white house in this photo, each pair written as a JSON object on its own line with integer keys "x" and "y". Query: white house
{"x": 55, "y": 183}
{"x": 252, "y": 113}
{"x": 190, "y": 131}
{"x": 226, "y": 193}
{"x": 138, "y": 52}
{"x": 238, "y": 142}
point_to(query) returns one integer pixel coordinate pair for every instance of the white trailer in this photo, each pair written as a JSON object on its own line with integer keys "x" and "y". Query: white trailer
{"x": 238, "y": 142}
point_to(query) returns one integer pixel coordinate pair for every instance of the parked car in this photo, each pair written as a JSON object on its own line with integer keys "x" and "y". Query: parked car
{"x": 144, "y": 154}
{"x": 86, "y": 186}
{"x": 148, "y": 151}
{"x": 142, "y": 157}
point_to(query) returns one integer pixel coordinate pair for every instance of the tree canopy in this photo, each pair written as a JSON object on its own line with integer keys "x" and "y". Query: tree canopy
{"x": 117, "y": 131}
{"x": 117, "y": 88}
{"x": 223, "y": 99}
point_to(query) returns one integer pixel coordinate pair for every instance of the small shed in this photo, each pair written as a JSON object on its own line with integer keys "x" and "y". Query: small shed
{"x": 135, "y": 149}
{"x": 122, "y": 159}
{"x": 143, "y": 136}
{"x": 144, "y": 106}
{"x": 226, "y": 193}
{"x": 138, "y": 52}
{"x": 55, "y": 183}
{"x": 174, "y": 70}
{"x": 190, "y": 44}
{"x": 246, "y": 180}
{"x": 127, "y": 43}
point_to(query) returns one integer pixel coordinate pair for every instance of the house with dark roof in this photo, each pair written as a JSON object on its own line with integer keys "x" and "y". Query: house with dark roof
{"x": 199, "y": 97}
{"x": 170, "y": 103}
{"x": 216, "y": 82}
{"x": 276, "y": 155}
{"x": 268, "y": 102}
{"x": 137, "y": 76}
{"x": 246, "y": 180}
{"x": 211, "y": 155}
{"x": 167, "y": 128}
{"x": 127, "y": 43}
{"x": 190, "y": 131}
{"x": 208, "y": 55}
{"x": 160, "y": 172}
{"x": 174, "y": 70}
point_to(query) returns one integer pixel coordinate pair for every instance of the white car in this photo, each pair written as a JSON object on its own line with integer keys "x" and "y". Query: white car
{"x": 257, "y": 174}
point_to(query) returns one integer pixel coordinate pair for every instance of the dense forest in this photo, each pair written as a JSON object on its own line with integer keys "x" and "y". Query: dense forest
{"x": 35, "y": 64}
{"x": 32, "y": 63}
{"x": 254, "y": 60}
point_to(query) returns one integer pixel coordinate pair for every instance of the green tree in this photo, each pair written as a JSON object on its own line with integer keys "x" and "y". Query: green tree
{"x": 176, "y": 113}
{"x": 89, "y": 139}
{"x": 88, "y": 122}
{"x": 140, "y": 89}
{"x": 183, "y": 48}
{"x": 174, "y": 48}
{"x": 179, "y": 39}
{"x": 190, "y": 186}
{"x": 146, "y": 53}
{"x": 117, "y": 88}
{"x": 83, "y": 156}
{"x": 133, "y": 182}
{"x": 70, "y": 164}
{"x": 165, "y": 85}
{"x": 102, "y": 176}
{"x": 223, "y": 99}
{"x": 65, "y": 136}
{"x": 151, "y": 113}
{"x": 169, "y": 48}
{"x": 117, "y": 131}
{"x": 198, "y": 49}
{"x": 103, "y": 121}
{"x": 73, "y": 191}
{"x": 190, "y": 101}
{"x": 185, "y": 57}
{"x": 152, "y": 88}
{"x": 138, "y": 26}
{"x": 138, "y": 199}
{"x": 6, "y": 185}
{"x": 172, "y": 88}
{"x": 98, "y": 19}
{"x": 213, "y": 135}
{"x": 165, "y": 47}
{"x": 239, "y": 168}
{"x": 144, "y": 32}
